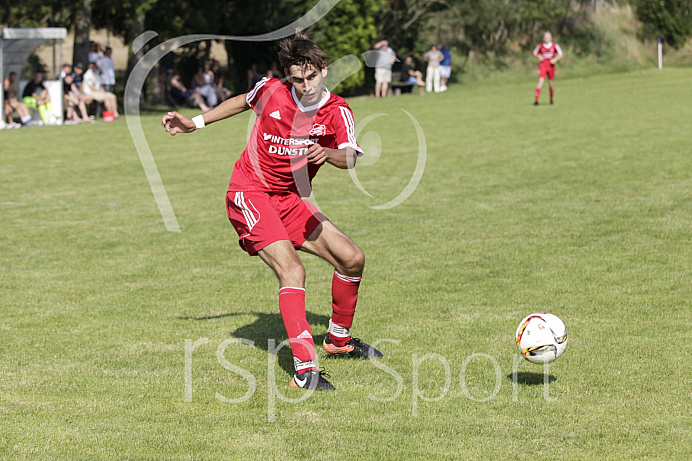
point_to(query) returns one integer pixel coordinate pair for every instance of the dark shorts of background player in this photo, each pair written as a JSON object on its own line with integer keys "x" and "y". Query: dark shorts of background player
{"x": 546, "y": 70}
{"x": 262, "y": 218}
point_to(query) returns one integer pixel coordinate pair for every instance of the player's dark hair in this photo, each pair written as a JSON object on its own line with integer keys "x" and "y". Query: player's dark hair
{"x": 301, "y": 51}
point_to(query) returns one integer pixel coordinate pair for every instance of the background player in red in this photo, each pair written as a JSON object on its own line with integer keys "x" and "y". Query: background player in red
{"x": 548, "y": 53}
{"x": 300, "y": 126}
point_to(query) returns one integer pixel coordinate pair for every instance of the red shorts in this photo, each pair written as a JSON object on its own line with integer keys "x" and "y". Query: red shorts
{"x": 546, "y": 70}
{"x": 261, "y": 218}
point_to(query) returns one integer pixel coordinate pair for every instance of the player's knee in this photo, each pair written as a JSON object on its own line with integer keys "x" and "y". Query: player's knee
{"x": 354, "y": 262}
{"x": 292, "y": 275}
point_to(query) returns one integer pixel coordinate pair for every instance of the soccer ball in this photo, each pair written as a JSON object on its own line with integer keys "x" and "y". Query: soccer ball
{"x": 541, "y": 337}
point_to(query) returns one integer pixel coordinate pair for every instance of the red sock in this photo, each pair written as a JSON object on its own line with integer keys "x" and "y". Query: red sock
{"x": 292, "y": 307}
{"x": 344, "y": 298}
{"x": 552, "y": 91}
{"x": 538, "y": 93}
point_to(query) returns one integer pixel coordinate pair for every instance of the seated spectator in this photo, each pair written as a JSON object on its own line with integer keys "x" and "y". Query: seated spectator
{"x": 77, "y": 79}
{"x": 65, "y": 70}
{"x": 181, "y": 95}
{"x": 78, "y": 76}
{"x": 12, "y": 104}
{"x": 107, "y": 66}
{"x": 92, "y": 87}
{"x": 203, "y": 84}
{"x": 221, "y": 93}
{"x": 74, "y": 99}
{"x": 412, "y": 77}
{"x": 7, "y": 110}
{"x": 36, "y": 96}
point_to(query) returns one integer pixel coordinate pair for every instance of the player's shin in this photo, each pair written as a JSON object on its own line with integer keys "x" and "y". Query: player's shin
{"x": 344, "y": 299}
{"x": 292, "y": 307}
{"x": 538, "y": 93}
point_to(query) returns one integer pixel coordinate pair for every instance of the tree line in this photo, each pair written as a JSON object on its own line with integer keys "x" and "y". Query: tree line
{"x": 488, "y": 28}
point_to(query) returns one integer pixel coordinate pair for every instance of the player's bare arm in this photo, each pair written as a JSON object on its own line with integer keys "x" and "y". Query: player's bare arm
{"x": 175, "y": 123}
{"x": 538, "y": 56}
{"x": 341, "y": 158}
{"x": 380, "y": 44}
{"x": 556, "y": 59}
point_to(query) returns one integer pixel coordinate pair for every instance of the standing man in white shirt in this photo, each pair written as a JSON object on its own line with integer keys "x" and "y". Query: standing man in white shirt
{"x": 432, "y": 74}
{"x": 383, "y": 68}
{"x": 107, "y": 67}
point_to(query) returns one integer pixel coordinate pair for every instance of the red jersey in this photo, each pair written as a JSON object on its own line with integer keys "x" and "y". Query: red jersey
{"x": 274, "y": 159}
{"x": 548, "y": 50}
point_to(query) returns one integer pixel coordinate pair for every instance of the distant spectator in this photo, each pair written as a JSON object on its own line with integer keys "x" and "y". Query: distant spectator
{"x": 182, "y": 95}
{"x": 432, "y": 74}
{"x": 274, "y": 71}
{"x": 107, "y": 67}
{"x": 203, "y": 84}
{"x": 7, "y": 111}
{"x": 36, "y": 96}
{"x": 77, "y": 79}
{"x": 92, "y": 50}
{"x": 253, "y": 77}
{"x": 12, "y": 104}
{"x": 73, "y": 100}
{"x": 410, "y": 76}
{"x": 166, "y": 68}
{"x": 221, "y": 93}
{"x": 65, "y": 70}
{"x": 383, "y": 68}
{"x": 78, "y": 76}
{"x": 93, "y": 87}
{"x": 445, "y": 67}
{"x": 95, "y": 52}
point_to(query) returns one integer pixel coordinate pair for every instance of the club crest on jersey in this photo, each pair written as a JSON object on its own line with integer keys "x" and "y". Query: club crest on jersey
{"x": 318, "y": 130}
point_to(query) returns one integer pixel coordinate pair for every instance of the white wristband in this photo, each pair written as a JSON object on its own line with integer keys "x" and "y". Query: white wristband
{"x": 199, "y": 122}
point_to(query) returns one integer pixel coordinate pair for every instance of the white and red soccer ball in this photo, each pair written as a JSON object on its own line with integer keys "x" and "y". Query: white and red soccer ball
{"x": 541, "y": 337}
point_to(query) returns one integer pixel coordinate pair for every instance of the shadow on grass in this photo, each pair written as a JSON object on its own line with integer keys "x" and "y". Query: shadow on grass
{"x": 208, "y": 317}
{"x": 531, "y": 378}
{"x": 265, "y": 327}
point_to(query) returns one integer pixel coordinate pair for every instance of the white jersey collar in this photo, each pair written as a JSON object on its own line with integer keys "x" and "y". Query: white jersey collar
{"x": 303, "y": 108}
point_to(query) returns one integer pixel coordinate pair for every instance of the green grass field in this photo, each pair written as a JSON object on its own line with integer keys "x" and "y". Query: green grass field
{"x": 582, "y": 209}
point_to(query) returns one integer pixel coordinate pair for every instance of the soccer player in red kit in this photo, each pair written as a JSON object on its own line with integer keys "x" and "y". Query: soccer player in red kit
{"x": 300, "y": 126}
{"x": 548, "y": 53}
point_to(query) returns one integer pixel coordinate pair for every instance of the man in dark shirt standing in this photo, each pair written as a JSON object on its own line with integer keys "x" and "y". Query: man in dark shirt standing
{"x": 36, "y": 95}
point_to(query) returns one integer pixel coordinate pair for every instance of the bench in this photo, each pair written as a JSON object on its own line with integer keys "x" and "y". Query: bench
{"x": 397, "y": 86}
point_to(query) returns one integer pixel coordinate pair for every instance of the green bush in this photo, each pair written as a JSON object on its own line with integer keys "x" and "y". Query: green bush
{"x": 669, "y": 19}
{"x": 350, "y": 28}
